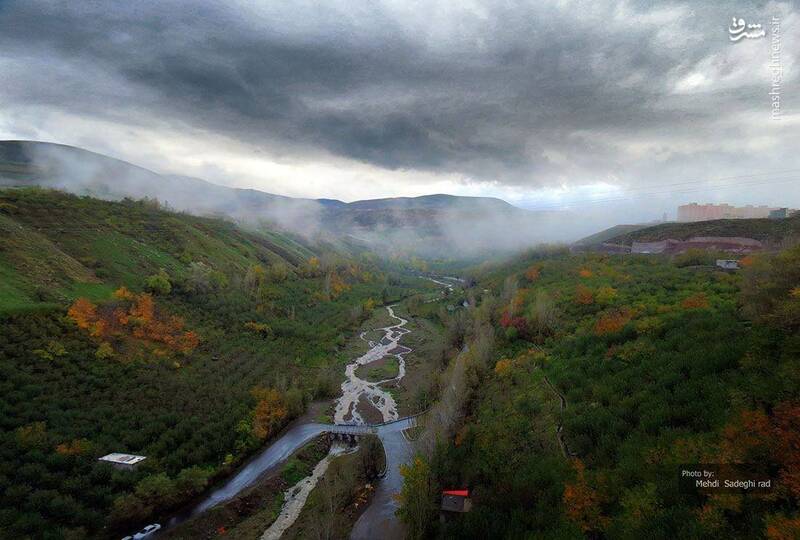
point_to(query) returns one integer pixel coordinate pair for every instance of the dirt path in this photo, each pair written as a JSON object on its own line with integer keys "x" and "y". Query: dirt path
{"x": 295, "y": 497}
{"x": 560, "y": 427}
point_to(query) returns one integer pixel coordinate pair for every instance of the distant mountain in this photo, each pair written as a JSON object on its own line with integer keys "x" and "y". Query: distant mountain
{"x": 431, "y": 224}
{"x": 439, "y": 201}
{"x": 87, "y": 173}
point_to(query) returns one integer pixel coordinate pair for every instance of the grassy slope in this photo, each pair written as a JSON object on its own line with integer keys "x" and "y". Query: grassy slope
{"x": 607, "y": 234}
{"x": 55, "y": 246}
{"x": 181, "y": 412}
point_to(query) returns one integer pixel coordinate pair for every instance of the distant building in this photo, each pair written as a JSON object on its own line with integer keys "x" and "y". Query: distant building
{"x": 456, "y": 500}
{"x": 705, "y": 212}
{"x": 123, "y": 461}
{"x": 728, "y": 264}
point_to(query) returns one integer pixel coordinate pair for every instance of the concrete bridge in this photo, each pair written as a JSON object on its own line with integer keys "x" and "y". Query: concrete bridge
{"x": 351, "y": 432}
{"x": 295, "y": 437}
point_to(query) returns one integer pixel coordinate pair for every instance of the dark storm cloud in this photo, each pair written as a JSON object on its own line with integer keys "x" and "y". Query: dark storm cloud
{"x": 488, "y": 91}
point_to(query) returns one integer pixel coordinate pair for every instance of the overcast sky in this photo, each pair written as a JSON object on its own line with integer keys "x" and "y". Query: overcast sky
{"x": 625, "y": 106}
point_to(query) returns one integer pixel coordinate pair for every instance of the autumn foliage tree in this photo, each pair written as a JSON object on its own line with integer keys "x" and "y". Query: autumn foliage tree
{"x": 83, "y": 312}
{"x": 696, "y": 301}
{"x": 270, "y": 412}
{"x": 584, "y": 295}
{"x": 533, "y": 272}
{"x": 783, "y": 528}
{"x": 582, "y": 502}
{"x": 134, "y": 316}
{"x": 612, "y": 322}
{"x": 503, "y": 367}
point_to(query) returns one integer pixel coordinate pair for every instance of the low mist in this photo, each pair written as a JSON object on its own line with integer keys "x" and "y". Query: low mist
{"x": 433, "y": 226}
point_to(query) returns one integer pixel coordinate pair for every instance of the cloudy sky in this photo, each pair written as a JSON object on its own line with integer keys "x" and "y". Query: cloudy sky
{"x": 625, "y": 106}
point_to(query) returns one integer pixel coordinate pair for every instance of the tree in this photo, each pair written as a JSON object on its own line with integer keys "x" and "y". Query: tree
{"x": 270, "y": 412}
{"x": 584, "y": 295}
{"x": 417, "y": 498}
{"x": 696, "y": 301}
{"x": 767, "y": 289}
{"x": 83, "y": 312}
{"x": 278, "y": 272}
{"x": 503, "y": 367}
{"x": 533, "y": 272}
{"x": 371, "y": 457}
{"x": 313, "y": 266}
{"x": 639, "y": 505}
{"x": 157, "y": 490}
{"x": 32, "y": 435}
{"x": 543, "y": 315}
{"x": 606, "y": 295}
{"x": 129, "y": 509}
{"x": 582, "y": 502}
{"x": 191, "y": 481}
{"x": 123, "y": 294}
{"x": 159, "y": 284}
{"x": 75, "y": 447}
{"x": 104, "y": 351}
{"x": 783, "y": 528}
{"x": 255, "y": 277}
{"x": 203, "y": 279}
{"x": 262, "y": 329}
{"x": 142, "y": 311}
{"x": 612, "y": 322}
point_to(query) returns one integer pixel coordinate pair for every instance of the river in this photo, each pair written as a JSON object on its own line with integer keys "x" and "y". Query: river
{"x": 378, "y": 520}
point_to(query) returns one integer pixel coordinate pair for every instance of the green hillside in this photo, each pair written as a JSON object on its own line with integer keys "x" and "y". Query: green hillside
{"x": 658, "y": 366}
{"x": 58, "y": 246}
{"x": 770, "y": 231}
{"x": 129, "y": 328}
{"x": 607, "y": 234}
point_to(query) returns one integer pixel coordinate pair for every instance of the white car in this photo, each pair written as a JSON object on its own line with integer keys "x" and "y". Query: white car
{"x": 147, "y": 532}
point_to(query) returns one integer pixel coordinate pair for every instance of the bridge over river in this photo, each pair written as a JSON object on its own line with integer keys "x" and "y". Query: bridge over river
{"x": 378, "y": 520}
{"x": 395, "y": 445}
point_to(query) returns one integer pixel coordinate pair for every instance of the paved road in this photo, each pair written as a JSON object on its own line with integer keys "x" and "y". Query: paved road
{"x": 274, "y": 454}
{"x": 378, "y": 520}
{"x": 283, "y": 447}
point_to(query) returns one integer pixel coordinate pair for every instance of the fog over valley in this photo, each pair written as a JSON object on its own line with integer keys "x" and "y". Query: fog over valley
{"x": 399, "y": 270}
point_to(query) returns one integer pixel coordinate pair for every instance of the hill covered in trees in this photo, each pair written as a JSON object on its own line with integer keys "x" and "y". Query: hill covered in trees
{"x": 770, "y": 231}
{"x": 608, "y": 234}
{"x": 429, "y": 225}
{"x": 608, "y": 373}
{"x": 130, "y": 328}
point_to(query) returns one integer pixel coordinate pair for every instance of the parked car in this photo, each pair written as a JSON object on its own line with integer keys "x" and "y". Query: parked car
{"x": 147, "y": 532}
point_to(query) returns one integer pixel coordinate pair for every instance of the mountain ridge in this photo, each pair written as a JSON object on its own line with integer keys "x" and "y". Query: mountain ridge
{"x": 432, "y": 225}
{"x": 20, "y": 152}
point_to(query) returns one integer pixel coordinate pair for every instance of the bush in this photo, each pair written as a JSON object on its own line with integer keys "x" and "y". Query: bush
{"x": 159, "y": 283}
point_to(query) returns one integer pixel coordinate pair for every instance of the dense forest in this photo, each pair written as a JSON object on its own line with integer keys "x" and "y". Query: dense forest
{"x": 606, "y": 374}
{"x": 127, "y": 327}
